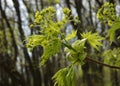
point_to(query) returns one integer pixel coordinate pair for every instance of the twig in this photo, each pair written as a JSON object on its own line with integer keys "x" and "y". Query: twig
{"x": 101, "y": 63}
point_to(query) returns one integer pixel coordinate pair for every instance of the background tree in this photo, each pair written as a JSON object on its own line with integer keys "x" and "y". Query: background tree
{"x": 19, "y": 66}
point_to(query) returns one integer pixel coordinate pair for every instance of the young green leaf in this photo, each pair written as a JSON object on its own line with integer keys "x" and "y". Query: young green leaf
{"x": 78, "y": 54}
{"x": 65, "y": 77}
{"x": 71, "y": 36}
{"x": 112, "y": 30}
{"x": 93, "y": 39}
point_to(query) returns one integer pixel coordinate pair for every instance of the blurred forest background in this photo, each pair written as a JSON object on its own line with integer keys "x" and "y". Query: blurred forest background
{"x": 20, "y": 67}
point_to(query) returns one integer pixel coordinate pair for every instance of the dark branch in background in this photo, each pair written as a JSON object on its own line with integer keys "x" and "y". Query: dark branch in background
{"x": 41, "y": 3}
{"x": 112, "y": 1}
{"x": 36, "y": 2}
{"x": 100, "y": 3}
{"x": 11, "y": 31}
{"x": 22, "y": 35}
{"x": 8, "y": 66}
{"x": 79, "y": 7}
{"x": 77, "y": 26}
{"x": 90, "y": 12}
{"x": 101, "y": 63}
{"x": 34, "y": 72}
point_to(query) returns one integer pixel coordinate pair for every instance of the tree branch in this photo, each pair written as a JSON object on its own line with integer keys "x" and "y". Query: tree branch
{"x": 101, "y": 63}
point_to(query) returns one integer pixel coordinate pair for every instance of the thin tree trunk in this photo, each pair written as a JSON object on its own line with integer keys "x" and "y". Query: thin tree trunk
{"x": 11, "y": 31}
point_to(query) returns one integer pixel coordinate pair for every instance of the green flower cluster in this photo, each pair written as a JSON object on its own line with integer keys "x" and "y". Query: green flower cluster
{"x": 112, "y": 57}
{"x": 44, "y": 16}
{"x": 67, "y": 14}
{"x": 66, "y": 11}
{"x": 107, "y": 13}
{"x": 51, "y": 37}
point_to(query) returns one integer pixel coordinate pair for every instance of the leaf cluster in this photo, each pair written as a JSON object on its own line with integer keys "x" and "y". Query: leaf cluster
{"x": 52, "y": 39}
{"x": 78, "y": 54}
{"x": 107, "y": 14}
{"x": 112, "y": 57}
{"x": 94, "y": 39}
{"x": 65, "y": 77}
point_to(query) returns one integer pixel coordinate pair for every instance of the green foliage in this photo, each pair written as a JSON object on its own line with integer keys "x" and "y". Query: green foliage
{"x": 112, "y": 30}
{"x": 66, "y": 11}
{"x": 65, "y": 77}
{"x": 78, "y": 54}
{"x": 52, "y": 39}
{"x": 2, "y": 47}
{"x": 93, "y": 39}
{"x": 71, "y": 36}
{"x": 49, "y": 37}
{"x": 53, "y": 1}
{"x": 53, "y": 46}
{"x": 112, "y": 57}
{"x": 107, "y": 14}
{"x": 35, "y": 40}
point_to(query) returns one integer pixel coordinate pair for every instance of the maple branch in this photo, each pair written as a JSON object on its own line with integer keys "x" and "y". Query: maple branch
{"x": 101, "y": 63}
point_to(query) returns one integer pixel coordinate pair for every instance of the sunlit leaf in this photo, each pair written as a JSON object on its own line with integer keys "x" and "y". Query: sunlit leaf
{"x": 112, "y": 30}
{"x": 71, "y": 36}
{"x": 65, "y": 77}
{"x": 93, "y": 39}
{"x": 77, "y": 54}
